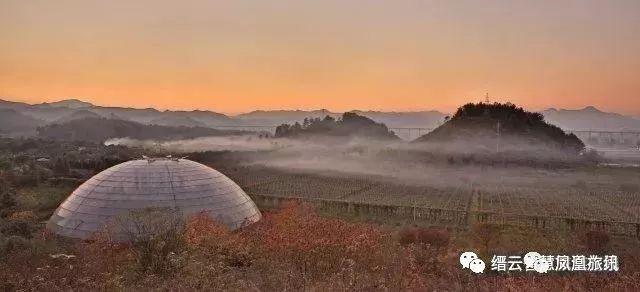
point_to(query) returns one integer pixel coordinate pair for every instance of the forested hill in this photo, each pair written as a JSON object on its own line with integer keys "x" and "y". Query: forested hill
{"x": 349, "y": 125}
{"x": 479, "y": 124}
{"x": 102, "y": 129}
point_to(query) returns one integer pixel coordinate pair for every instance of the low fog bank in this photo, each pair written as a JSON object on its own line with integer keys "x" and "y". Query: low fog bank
{"x": 218, "y": 143}
{"x": 623, "y": 157}
{"x": 328, "y": 145}
{"x": 435, "y": 164}
{"x": 319, "y": 145}
{"x": 325, "y": 155}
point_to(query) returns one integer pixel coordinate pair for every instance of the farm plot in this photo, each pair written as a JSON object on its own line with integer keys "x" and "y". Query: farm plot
{"x": 284, "y": 184}
{"x": 544, "y": 206}
{"x": 418, "y": 196}
{"x": 309, "y": 186}
{"x": 572, "y": 203}
{"x": 360, "y": 189}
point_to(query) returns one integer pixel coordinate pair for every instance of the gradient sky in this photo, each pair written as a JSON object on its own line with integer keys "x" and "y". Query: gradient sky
{"x": 237, "y": 56}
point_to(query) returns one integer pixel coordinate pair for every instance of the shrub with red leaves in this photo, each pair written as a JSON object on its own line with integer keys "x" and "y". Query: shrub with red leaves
{"x": 433, "y": 236}
{"x": 596, "y": 240}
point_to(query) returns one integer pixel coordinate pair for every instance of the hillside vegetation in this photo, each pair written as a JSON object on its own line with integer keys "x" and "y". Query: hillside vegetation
{"x": 502, "y": 127}
{"x": 101, "y": 129}
{"x": 350, "y": 125}
{"x": 16, "y": 123}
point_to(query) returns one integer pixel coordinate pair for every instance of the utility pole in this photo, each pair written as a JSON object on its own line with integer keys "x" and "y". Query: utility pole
{"x": 414, "y": 209}
{"x": 498, "y": 138}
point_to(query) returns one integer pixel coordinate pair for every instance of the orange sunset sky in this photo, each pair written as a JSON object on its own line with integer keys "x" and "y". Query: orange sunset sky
{"x": 238, "y": 56}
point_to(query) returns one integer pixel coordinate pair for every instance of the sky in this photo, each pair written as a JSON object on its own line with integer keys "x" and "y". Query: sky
{"x": 238, "y": 56}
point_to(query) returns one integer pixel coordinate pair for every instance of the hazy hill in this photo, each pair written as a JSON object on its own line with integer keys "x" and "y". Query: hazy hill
{"x": 277, "y": 117}
{"x": 421, "y": 119}
{"x": 68, "y": 103}
{"x": 177, "y": 122}
{"x": 144, "y": 116}
{"x": 590, "y": 118}
{"x": 478, "y": 126}
{"x": 41, "y": 111}
{"x": 206, "y": 118}
{"x": 349, "y": 125}
{"x": 63, "y": 111}
{"x": 170, "y": 118}
{"x": 14, "y": 105}
{"x": 14, "y": 123}
{"x": 79, "y": 114}
{"x": 101, "y": 129}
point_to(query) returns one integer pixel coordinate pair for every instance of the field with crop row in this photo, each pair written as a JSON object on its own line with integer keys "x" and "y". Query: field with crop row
{"x": 570, "y": 203}
{"x": 486, "y": 203}
{"x": 348, "y": 188}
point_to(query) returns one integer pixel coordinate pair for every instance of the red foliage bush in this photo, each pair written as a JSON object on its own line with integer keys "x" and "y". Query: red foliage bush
{"x": 407, "y": 236}
{"x": 292, "y": 249}
{"x": 436, "y": 237}
{"x": 596, "y": 240}
{"x": 433, "y": 236}
{"x": 201, "y": 229}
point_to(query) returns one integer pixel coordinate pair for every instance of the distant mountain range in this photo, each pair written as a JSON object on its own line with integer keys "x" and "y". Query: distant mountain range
{"x": 20, "y": 118}
{"x": 71, "y": 109}
{"x": 590, "y": 118}
{"x": 67, "y": 110}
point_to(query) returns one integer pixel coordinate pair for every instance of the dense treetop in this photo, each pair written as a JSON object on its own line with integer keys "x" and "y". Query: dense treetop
{"x": 350, "y": 124}
{"x": 480, "y": 124}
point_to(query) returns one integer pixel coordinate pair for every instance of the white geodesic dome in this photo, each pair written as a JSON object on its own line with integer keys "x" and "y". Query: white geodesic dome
{"x": 173, "y": 184}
